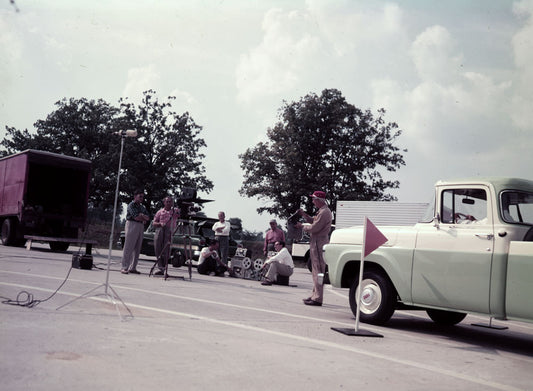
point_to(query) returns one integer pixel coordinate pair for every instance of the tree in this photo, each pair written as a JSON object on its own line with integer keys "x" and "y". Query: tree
{"x": 322, "y": 143}
{"x": 163, "y": 158}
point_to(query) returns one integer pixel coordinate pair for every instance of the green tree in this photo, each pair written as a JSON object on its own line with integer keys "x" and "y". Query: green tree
{"x": 165, "y": 156}
{"x": 322, "y": 143}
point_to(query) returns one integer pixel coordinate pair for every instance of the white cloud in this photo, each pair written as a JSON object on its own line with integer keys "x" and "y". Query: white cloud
{"x": 275, "y": 66}
{"x": 139, "y": 80}
{"x": 522, "y": 42}
{"x": 433, "y": 54}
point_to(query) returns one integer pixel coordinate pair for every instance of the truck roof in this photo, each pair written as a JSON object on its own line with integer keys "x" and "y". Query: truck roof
{"x": 51, "y": 158}
{"x": 499, "y": 183}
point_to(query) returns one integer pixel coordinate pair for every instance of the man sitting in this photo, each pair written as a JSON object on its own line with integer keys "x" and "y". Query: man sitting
{"x": 209, "y": 261}
{"x": 280, "y": 264}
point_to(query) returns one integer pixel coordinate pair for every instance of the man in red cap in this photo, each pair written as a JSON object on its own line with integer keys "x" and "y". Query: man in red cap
{"x": 319, "y": 228}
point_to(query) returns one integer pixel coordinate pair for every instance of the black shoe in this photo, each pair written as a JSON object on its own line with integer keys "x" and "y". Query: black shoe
{"x": 266, "y": 282}
{"x": 134, "y": 272}
{"x": 312, "y": 302}
{"x": 159, "y": 273}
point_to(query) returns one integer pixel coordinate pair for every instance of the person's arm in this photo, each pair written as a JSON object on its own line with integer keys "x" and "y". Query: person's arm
{"x": 157, "y": 220}
{"x": 306, "y": 217}
{"x": 319, "y": 224}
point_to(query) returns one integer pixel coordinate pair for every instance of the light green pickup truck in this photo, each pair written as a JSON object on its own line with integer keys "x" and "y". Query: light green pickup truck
{"x": 471, "y": 253}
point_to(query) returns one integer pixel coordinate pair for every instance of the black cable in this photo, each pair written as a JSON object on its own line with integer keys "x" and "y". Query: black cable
{"x": 28, "y": 300}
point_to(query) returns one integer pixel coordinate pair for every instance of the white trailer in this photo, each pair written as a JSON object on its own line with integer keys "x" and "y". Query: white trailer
{"x": 381, "y": 213}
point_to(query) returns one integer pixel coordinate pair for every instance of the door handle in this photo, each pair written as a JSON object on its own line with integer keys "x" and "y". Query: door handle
{"x": 485, "y": 236}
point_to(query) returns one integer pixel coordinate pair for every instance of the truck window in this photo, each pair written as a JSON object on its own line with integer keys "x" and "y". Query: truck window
{"x": 517, "y": 207}
{"x": 464, "y": 206}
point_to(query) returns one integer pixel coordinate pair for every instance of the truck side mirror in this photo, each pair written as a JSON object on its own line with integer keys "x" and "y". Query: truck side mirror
{"x": 436, "y": 220}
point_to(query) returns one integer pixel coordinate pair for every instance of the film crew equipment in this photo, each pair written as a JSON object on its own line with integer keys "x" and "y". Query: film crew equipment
{"x": 189, "y": 204}
{"x": 241, "y": 266}
{"x": 109, "y": 293}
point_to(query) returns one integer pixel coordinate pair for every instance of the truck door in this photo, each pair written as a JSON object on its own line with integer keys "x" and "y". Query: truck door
{"x": 452, "y": 259}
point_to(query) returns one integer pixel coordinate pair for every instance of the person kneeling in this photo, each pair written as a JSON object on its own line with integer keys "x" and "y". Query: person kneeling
{"x": 280, "y": 264}
{"x": 209, "y": 261}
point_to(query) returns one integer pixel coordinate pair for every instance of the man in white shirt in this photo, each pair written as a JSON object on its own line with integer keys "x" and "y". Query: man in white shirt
{"x": 280, "y": 264}
{"x": 222, "y": 230}
{"x": 209, "y": 261}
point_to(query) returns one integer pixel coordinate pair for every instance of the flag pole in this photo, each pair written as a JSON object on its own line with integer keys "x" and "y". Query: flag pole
{"x": 358, "y": 291}
{"x": 356, "y": 331}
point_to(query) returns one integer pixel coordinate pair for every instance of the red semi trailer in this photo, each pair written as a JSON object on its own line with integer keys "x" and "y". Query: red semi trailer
{"x": 43, "y": 196}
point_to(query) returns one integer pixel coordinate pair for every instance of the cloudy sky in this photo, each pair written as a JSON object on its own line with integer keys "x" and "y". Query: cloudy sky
{"x": 456, "y": 75}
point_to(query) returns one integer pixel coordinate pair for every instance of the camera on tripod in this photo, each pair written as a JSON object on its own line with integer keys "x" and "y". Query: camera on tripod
{"x": 188, "y": 203}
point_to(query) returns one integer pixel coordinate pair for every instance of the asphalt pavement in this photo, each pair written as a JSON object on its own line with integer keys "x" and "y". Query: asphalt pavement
{"x": 223, "y": 333}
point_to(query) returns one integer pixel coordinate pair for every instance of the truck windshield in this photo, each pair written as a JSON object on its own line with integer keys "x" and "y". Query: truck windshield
{"x": 517, "y": 207}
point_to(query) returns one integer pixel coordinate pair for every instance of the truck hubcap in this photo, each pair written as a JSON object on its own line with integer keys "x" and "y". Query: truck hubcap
{"x": 370, "y": 297}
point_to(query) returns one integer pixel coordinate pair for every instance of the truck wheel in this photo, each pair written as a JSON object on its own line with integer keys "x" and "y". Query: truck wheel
{"x": 59, "y": 246}
{"x": 445, "y": 318}
{"x": 8, "y": 232}
{"x": 378, "y": 298}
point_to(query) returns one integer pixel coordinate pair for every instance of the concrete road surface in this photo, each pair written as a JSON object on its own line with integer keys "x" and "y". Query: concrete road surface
{"x": 222, "y": 333}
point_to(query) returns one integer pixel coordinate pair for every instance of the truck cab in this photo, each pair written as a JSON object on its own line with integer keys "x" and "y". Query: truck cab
{"x": 464, "y": 256}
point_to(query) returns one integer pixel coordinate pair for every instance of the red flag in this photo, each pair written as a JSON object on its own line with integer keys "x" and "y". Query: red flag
{"x": 373, "y": 237}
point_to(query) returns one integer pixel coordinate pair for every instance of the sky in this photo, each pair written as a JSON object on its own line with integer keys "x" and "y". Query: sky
{"x": 455, "y": 75}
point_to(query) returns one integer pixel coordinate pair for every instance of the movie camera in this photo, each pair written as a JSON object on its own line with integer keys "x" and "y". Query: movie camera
{"x": 188, "y": 202}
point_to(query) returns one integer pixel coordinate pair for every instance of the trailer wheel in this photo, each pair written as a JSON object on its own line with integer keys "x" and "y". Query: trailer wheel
{"x": 59, "y": 246}
{"x": 445, "y": 318}
{"x": 9, "y": 232}
{"x": 378, "y": 298}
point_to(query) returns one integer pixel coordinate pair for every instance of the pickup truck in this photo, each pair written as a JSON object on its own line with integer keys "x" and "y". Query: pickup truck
{"x": 472, "y": 252}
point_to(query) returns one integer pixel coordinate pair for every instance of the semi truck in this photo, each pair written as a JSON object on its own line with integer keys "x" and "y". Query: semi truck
{"x": 472, "y": 252}
{"x": 43, "y": 196}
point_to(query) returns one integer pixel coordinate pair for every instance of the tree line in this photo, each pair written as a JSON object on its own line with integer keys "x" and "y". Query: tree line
{"x": 319, "y": 142}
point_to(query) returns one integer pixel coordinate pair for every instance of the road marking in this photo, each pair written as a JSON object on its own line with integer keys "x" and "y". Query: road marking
{"x": 260, "y": 330}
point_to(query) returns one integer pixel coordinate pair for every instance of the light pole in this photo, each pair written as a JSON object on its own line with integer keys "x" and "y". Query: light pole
{"x": 123, "y": 134}
{"x": 113, "y": 296}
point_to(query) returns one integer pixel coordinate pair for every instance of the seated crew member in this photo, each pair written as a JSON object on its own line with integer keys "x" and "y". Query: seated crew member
{"x": 279, "y": 264}
{"x": 209, "y": 261}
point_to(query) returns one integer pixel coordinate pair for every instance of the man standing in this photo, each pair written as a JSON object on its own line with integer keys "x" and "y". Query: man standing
{"x": 273, "y": 235}
{"x": 136, "y": 217}
{"x": 222, "y": 230}
{"x": 164, "y": 223}
{"x": 280, "y": 264}
{"x": 319, "y": 228}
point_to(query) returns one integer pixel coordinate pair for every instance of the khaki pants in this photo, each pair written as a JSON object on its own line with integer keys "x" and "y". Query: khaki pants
{"x": 275, "y": 268}
{"x": 132, "y": 244}
{"x": 162, "y": 246}
{"x": 318, "y": 265}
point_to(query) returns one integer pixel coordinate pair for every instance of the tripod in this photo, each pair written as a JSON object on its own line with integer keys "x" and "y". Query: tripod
{"x": 184, "y": 229}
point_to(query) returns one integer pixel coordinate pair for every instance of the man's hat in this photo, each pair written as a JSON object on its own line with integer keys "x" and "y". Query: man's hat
{"x": 273, "y": 221}
{"x": 318, "y": 194}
